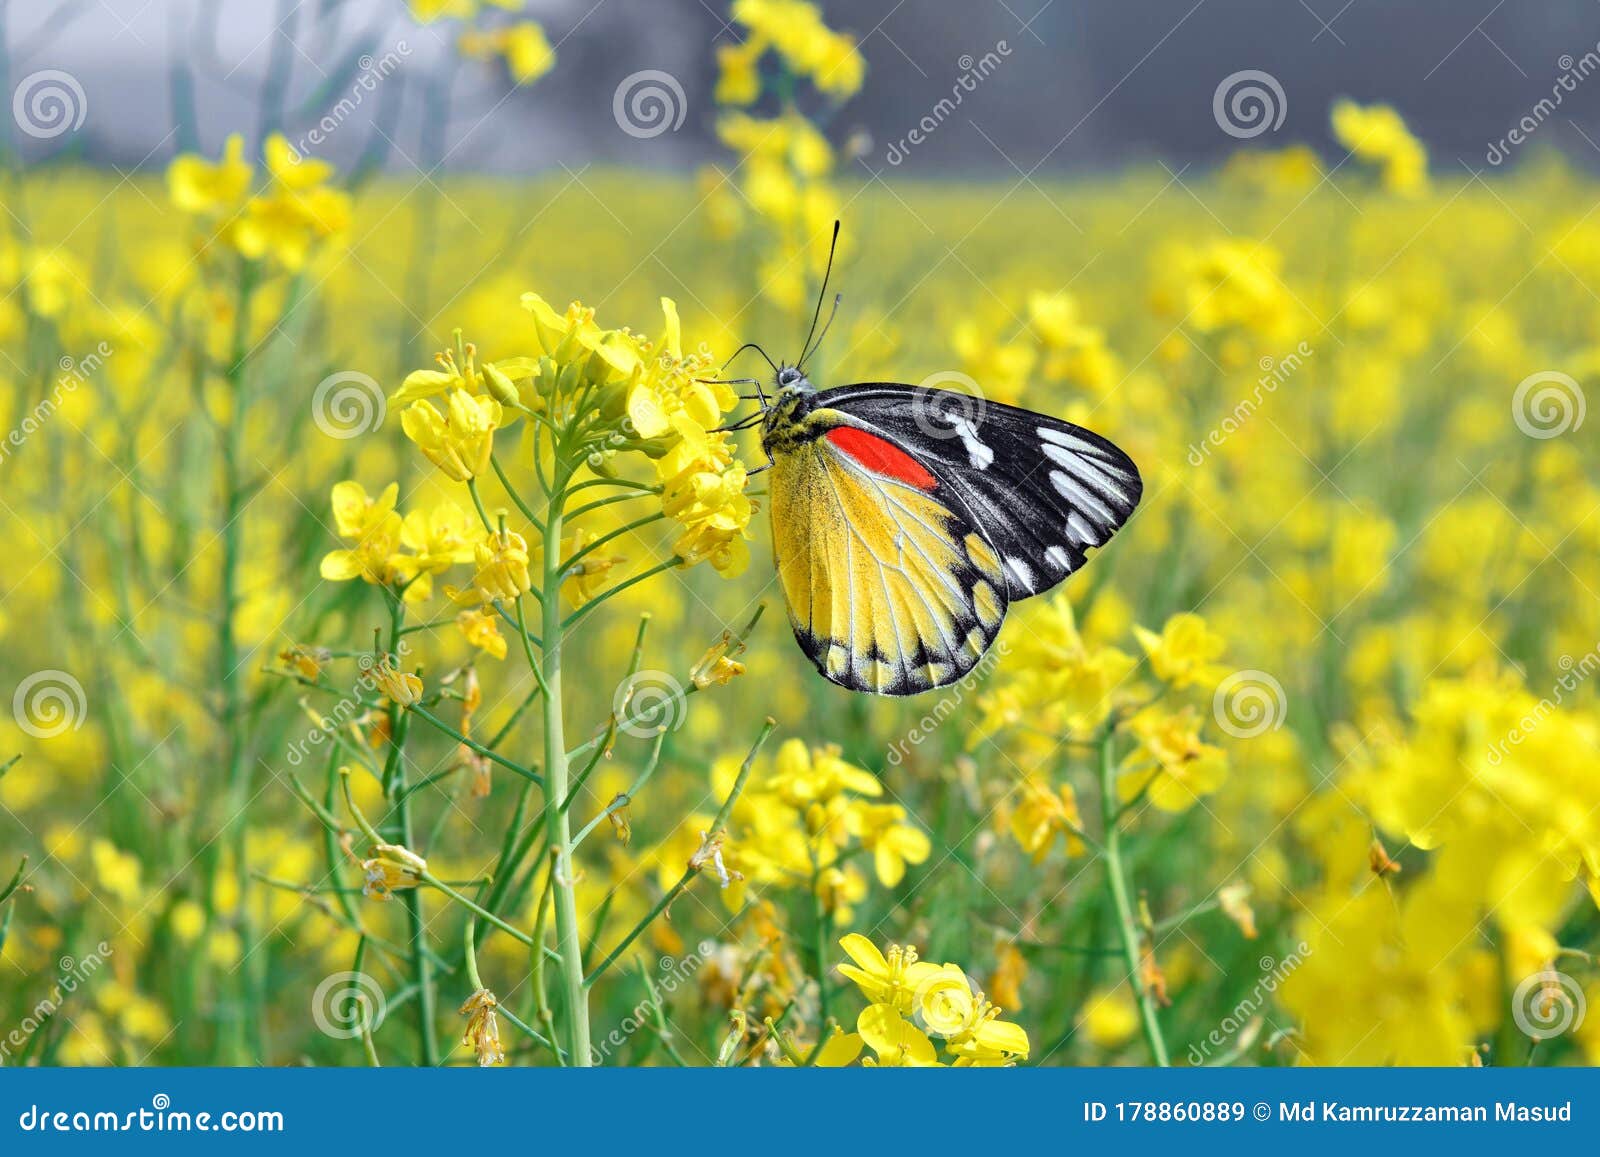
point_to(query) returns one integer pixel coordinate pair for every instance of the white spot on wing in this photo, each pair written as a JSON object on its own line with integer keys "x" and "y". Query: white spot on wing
{"x": 980, "y": 455}
{"x": 1021, "y": 571}
{"x": 1069, "y": 488}
{"x": 1082, "y": 528}
{"x": 1057, "y": 557}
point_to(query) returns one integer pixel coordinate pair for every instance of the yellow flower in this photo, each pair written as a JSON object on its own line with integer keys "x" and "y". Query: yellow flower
{"x": 402, "y": 687}
{"x": 392, "y": 866}
{"x": 890, "y": 981}
{"x": 458, "y": 441}
{"x": 1376, "y": 134}
{"x": 372, "y": 526}
{"x": 481, "y": 628}
{"x": 1177, "y": 766}
{"x": 211, "y": 188}
{"x": 898, "y": 1042}
{"x": 1042, "y": 815}
{"x": 739, "y": 72}
{"x": 502, "y": 570}
{"x": 523, "y": 45}
{"x": 1182, "y": 653}
{"x": 882, "y": 829}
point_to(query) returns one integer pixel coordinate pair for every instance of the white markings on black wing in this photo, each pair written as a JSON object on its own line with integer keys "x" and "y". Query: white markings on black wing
{"x": 1045, "y": 492}
{"x": 979, "y": 453}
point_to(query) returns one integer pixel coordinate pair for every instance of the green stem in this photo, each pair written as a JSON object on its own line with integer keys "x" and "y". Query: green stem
{"x": 1116, "y": 880}
{"x": 568, "y": 946}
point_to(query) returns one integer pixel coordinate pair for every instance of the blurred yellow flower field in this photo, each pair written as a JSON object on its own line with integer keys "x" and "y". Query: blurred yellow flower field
{"x": 398, "y": 673}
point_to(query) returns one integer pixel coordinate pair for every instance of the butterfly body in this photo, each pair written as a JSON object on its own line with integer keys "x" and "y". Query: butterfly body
{"x": 906, "y": 520}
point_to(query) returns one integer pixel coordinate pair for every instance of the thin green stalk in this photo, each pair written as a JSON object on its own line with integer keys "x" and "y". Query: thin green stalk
{"x": 1117, "y": 882}
{"x": 568, "y": 946}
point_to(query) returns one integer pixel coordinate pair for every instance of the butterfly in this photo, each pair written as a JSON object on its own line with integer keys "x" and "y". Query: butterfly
{"x": 906, "y": 520}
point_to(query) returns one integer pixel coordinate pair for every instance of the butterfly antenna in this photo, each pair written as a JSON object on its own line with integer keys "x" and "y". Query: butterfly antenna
{"x": 822, "y": 294}
{"x": 832, "y": 313}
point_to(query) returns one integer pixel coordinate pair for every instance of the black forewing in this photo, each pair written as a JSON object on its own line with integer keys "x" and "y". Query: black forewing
{"x": 1046, "y": 492}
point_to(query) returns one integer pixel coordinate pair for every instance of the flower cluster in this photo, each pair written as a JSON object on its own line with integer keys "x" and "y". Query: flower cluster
{"x": 911, "y": 1003}
{"x": 280, "y": 223}
{"x": 801, "y": 821}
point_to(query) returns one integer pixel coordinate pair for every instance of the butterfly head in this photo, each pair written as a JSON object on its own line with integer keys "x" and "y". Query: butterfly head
{"x": 792, "y": 380}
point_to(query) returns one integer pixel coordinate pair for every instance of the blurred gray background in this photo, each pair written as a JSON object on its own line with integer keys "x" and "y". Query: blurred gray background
{"x": 1085, "y": 85}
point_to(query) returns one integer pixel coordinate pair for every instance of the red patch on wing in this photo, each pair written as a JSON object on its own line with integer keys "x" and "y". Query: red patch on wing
{"x": 881, "y": 457}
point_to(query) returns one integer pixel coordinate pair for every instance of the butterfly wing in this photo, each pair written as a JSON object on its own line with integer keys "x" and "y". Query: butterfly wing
{"x": 1044, "y": 491}
{"x": 892, "y": 585}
